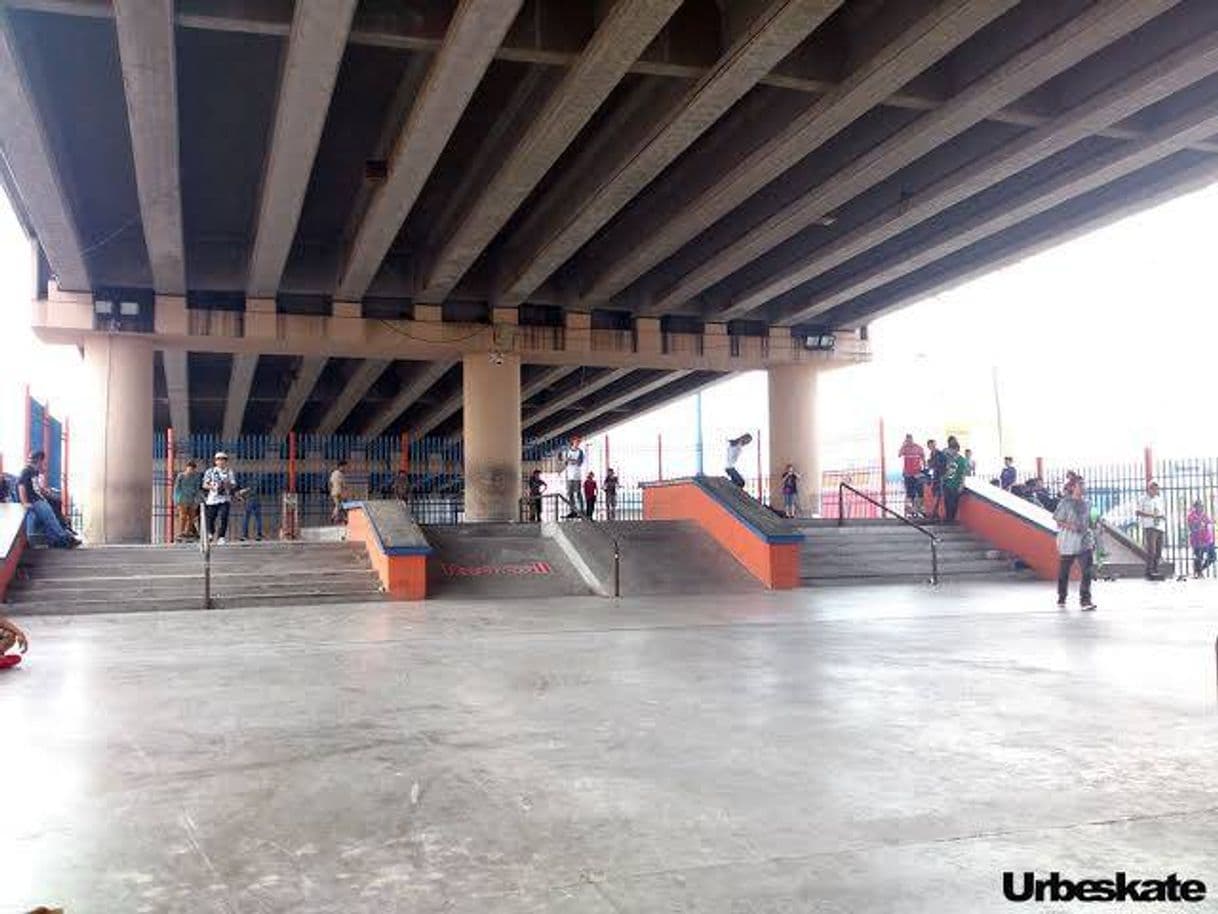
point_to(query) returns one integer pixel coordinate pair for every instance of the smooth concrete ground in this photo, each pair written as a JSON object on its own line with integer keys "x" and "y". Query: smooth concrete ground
{"x": 851, "y": 750}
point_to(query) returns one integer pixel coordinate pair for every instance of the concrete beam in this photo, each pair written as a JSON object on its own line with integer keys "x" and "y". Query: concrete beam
{"x": 587, "y": 415}
{"x": 419, "y": 385}
{"x": 1111, "y": 106}
{"x": 240, "y": 380}
{"x": 1154, "y": 192}
{"x": 624, "y": 34}
{"x": 933, "y": 35}
{"x": 306, "y": 379}
{"x": 574, "y": 396}
{"x": 477, "y": 28}
{"x": 1094, "y": 29}
{"x": 547, "y": 378}
{"x": 315, "y": 51}
{"x": 365, "y": 376}
{"x": 177, "y": 386}
{"x": 774, "y": 32}
{"x": 146, "y": 48}
{"x": 30, "y": 162}
{"x": 1165, "y": 141}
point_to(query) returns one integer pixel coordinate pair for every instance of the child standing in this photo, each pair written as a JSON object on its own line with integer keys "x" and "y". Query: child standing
{"x": 589, "y": 495}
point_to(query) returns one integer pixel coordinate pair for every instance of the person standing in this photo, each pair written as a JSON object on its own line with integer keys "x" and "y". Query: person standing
{"x": 1201, "y": 538}
{"x": 1153, "y": 519}
{"x": 186, "y": 487}
{"x": 38, "y": 512}
{"x": 955, "y": 471}
{"x": 913, "y": 461}
{"x": 589, "y": 495}
{"x": 219, "y": 482}
{"x": 253, "y": 512}
{"x": 936, "y": 462}
{"x": 610, "y": 488}
{"x": 573, "y": 472}
{"x": 338, "y": 492}
{"x": 537, "y": 487}
{"x": 401, "y": 487}
{"x": 972, "y": 464}
{"x": 734, "y": 447}
{"x": 790, "y": 491}
{"x": 1075, "y": 543}
{"x": 1009, "y": 473}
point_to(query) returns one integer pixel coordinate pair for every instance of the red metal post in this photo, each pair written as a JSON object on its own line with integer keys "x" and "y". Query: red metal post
{"x": 660, "y": 456}
{"x": 46, "y": 436}
{"x": 1040, "y": 467}
{"x": 29, "y": 420}
{"x": 883, "y": 466}
{"x": 606, "y": 468}
{"x": 169, "y": 507}
{"x": 760, "y": 496}
{"x": 404, "y": 459}
{"x": 292, "y": 462}
{"x": 65, "y": 467}
{"x": 1148, "y": 458}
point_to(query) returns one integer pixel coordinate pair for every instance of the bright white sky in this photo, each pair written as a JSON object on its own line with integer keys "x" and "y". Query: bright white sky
{"x": 1101, "y": 345}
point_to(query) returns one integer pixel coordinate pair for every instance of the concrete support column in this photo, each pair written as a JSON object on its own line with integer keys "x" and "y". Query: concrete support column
{"x": 795, "y": 432}
{"x": 491, "y": 423}
{"x": 118, "y": 372}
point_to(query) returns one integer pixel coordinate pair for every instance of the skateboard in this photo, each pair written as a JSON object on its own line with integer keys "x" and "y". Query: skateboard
{"x": 8, "y": 660}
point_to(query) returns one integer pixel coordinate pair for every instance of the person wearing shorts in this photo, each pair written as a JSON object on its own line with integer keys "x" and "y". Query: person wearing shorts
{"x": 913, "y": 462}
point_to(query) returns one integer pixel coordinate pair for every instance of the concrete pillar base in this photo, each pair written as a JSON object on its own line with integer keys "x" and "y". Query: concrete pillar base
{"x": 118, "y": 372}
{"x": 491, "y": 422}
{"x": 795, "y": 433}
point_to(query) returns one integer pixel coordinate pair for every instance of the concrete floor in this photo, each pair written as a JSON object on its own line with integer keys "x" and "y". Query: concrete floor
{"x": 847, "y": 750}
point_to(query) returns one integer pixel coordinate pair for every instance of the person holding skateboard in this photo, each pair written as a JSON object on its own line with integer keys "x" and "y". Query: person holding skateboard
{"x": 1075, "y": 542}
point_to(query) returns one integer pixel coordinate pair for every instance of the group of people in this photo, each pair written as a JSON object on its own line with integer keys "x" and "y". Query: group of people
{"x": 582, "y": 489}
{"x": 213, "y": 492}
{"x": 941, "y": 470}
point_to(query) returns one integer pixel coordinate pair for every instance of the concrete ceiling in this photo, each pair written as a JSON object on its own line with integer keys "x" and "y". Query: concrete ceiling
{"x": 787, "y": 161}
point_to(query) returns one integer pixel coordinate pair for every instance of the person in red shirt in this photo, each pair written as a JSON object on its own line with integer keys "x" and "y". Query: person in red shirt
{"x": 589, "y": 495}
{"x": 913, "y": 462}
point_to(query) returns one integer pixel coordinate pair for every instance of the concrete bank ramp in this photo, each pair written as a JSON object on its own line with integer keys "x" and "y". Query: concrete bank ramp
{"x": 498, "y": 561}
{"x": 658, "y": 557}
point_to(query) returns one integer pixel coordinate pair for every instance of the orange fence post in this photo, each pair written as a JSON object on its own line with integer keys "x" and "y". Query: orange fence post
{"x": 1148, "y": 458}
{"x": 29, "y": 431}
{"x": 46, "y": 434}
{"x": 606, "y": 469}
{"x": 1040, "y": 467}
{"x": 883, "y": 467}
{"x": 169, "y": 485}
{"x": 292, "y": 462}
{"x": 404, "y": 459}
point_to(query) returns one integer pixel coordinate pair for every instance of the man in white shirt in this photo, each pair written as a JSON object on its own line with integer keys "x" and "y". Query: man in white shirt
{"x": 573, "y": 465}
{"x": 1152, "y": 518}
{"x": 219, "y": 482}
{"x": 734, "y": 447}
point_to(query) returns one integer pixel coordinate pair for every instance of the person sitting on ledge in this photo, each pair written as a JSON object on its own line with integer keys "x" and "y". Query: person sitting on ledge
{"x": 38, "y": 511}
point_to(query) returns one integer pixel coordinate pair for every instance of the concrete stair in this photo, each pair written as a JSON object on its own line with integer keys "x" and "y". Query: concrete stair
{"x": 157, "y": 578}
{"x": 887, "y": 550}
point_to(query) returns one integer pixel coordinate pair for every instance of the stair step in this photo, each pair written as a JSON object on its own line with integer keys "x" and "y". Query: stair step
{"x": 219, "y": 601}
{"x": 191, "y": 587}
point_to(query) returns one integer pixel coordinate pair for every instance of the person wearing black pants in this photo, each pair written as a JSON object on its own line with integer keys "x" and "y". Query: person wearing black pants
{"x": 1075, "y": 542}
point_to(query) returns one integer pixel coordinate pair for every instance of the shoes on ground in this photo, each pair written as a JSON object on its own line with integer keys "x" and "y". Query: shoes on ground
{"x": 1087, "y": 606}
{"x": 221, "y": 542}
{"x": 1061, "y": 604}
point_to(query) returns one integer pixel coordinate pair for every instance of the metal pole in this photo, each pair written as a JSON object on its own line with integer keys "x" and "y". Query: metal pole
{"x": 698, "y": 431}
{"x": 760, "y": 495}
{"x": 292, "y": 462}
{"x": 934, "y": 561}
{"x": 660, "y": 455}
{"x": 1148, "y": 458}
{"x": 1040, "y": 467}
{"x": 65, "y": 490}
{"x": 841, "y": 501}
{"x": 998, "y": 410}
{"x": 29, "y": 425}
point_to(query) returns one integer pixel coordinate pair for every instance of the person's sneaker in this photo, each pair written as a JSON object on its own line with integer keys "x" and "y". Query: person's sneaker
{"x": 221, "y": 542}
{"x": 1061, "y": 604}
{"x": 1087, "y": 607}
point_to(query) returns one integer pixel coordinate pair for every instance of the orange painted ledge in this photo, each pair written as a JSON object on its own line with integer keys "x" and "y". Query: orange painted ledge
{"x": 773, "y": 560}
{"x": 1008, "y": 526}
{"x": 402, "y": 570}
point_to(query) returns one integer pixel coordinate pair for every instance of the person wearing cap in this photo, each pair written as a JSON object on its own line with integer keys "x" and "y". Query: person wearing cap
{"x": 219, "y": 482}
{"x": 1152, "y": 517}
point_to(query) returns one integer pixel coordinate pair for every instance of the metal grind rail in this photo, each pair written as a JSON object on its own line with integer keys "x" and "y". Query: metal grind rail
{"x": 843, "y": 487}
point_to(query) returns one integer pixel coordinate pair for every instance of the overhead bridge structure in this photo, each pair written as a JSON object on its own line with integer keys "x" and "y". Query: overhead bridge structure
{"x": 507, "y": 218}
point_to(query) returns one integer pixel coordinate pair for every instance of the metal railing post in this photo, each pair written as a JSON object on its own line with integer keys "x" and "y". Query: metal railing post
{"x": 617, "y": 569}
{"x": 205, "y": 548}
{"x": 934, "y": 561}
{"x": 841, "y": 501}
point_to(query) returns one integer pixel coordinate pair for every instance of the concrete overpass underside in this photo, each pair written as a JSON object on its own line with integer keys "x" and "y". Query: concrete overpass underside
{"x": 322, "y": 211}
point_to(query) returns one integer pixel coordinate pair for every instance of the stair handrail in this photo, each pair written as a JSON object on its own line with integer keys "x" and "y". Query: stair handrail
{"x": 527, "y": 501}
{"x": 934, "y": 539}
{"x": 205, "y": 549}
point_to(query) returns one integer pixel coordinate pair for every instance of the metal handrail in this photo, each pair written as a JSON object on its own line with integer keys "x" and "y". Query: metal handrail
{"x": 934, "y": 539}
{"x": 205, "y": 549}
{"x": 527, "y": 501}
